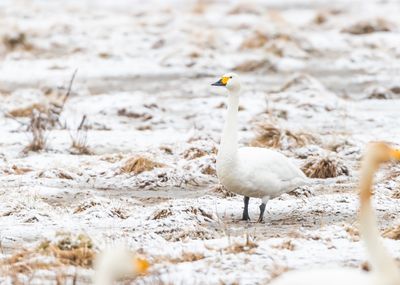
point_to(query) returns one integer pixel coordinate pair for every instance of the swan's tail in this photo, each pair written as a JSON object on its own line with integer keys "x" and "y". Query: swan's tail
{"x": 382, "y": 263}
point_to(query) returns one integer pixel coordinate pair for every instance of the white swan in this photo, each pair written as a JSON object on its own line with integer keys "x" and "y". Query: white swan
{"x": 251, "y": 171}
{"x": 384, "y": 270}
{"x": 116, "y": 263}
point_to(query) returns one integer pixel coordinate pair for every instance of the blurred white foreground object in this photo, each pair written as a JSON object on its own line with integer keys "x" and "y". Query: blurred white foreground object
{"x": 116, "y": 263}
{"x": 383, "y": 267}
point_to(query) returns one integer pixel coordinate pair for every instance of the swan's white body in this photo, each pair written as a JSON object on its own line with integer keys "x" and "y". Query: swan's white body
{"x": 258, "y": 172}
{"x": 251, "y": 171}
{"x": 384, "y": 269}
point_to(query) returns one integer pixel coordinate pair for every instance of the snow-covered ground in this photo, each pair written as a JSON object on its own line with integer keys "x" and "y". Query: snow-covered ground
{"x": 324, "y": 70}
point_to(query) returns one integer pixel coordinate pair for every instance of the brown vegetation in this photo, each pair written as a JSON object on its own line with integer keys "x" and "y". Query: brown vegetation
{"x": 161, "y": 214}
{"x": 392, "y": 233}
{"x": 193, "y": 153}
{"x": 17, "y": 41}
{"x": 140, "y": 164}
{"x": 288, "y": 245}
{"x": 257, "y": 40}
{"x": 220, "y": 189}
{"x": 325, "y": 167}
{"x": 28, "y": 111}
{"x": 253, "y": 65}
{"x": 208, "y": 170}
{"x": 188, "y": 257}
{"x": 272, "y": 136}
{"x": 79, "y": 139}
{"x": 248, "y": 246}
{"x": 69, "y": 250}
{"x": 37, "y": 127}
{"x": 369, "y": 26}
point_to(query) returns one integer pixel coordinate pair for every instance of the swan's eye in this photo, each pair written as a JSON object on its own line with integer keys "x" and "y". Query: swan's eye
{"x": 230, "y": 77}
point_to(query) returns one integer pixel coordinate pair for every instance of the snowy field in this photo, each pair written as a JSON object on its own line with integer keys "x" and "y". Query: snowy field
{"x": 128, "y": 156}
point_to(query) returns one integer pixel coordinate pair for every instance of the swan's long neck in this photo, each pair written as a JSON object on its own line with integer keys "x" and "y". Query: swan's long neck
{"x": 229, "y": 140}
{"x": 381, "y": 261}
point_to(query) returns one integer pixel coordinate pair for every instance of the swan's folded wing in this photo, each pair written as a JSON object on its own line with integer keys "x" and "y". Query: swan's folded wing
{"x": 265, "y": 161}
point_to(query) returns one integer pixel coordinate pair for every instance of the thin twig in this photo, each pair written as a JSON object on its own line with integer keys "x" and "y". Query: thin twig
{"x": 69, "y": 89}
{"x": 82, "y": 123}
{"x": 8, "y": 115}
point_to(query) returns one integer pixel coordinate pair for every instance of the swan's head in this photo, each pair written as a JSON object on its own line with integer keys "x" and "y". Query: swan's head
{"x": 380, "y": 152}
{"x": 229, "y": 80}
{"x": 118, "y": 262}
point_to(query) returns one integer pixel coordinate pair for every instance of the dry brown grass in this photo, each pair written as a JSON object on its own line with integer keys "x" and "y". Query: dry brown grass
{"x": 287, "y": 245}
{"x": 200, "y": 6}
{"x": 42, "y": 119}
{"x": 64, "y": 175}
{"x": 272, "y": 136}
{"x": 70, "y": 251}
{"x": 396, "y": 192}
{"x": 119, "y": 212}
{"x": 85, "y": 205}
{"x": 37, "y": 127}
{"x": 320, "y": 18}
{"x": 245, "y": 8}
{"x": 188, "y": 257}
{"x": 325, "y": 167}
{"x": 256, "y": 40}
{"x": 278, "y": 271}
{"x": 140, "y": 164}
{"x": 193, "y": 153}
{"x": 248, "y": 246}
{"x": 220, "y": 189}
{"x": 353, "y": 233}
{"x": 28, "y": 111}
{"x": 161, "y": 214}
{"x": 370, "y": 26}
{"x": 75, "y": 251}
{"x": 300, "y": 81}
{"x": 20, "y": 170}
{"x": 17, "y": 41}
{"x": 133, "y": 115}
{"x": 253, "y": 65}
{"x": 185, "y": 257}
{"x": 380, "y": 93}
{"x": 79, "y": 139}
{"x": 199, "y": 211}
{"x": 208, "y": 170}
{"x": 166, "y": 149}
{"x": 177, "y": 234}
{"x": 392, "y": 233}
{"x": 112, "y": 158}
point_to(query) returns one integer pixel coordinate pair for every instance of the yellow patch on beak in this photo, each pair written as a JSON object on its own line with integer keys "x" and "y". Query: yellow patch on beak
{"x": 141, "y": 265}
{"x": 224, "y": 80}
{"x": 395, "y": 153}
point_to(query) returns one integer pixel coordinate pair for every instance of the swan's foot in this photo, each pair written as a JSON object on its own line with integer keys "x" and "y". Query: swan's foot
{"x": 262, "y": 210}
{"x": 246, "y": 216}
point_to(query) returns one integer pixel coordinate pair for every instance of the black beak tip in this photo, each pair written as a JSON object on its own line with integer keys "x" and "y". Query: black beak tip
{"x": 218, "y": 83}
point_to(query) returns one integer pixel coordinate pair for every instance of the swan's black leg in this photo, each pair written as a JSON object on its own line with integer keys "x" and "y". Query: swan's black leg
{"x": 246, "y": 209}
{"x": 262, "y": 210}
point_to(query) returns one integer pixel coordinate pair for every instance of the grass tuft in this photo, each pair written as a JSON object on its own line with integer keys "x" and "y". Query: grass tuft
{"x": 324, "y": 168}
{"x": 140, "y": 164}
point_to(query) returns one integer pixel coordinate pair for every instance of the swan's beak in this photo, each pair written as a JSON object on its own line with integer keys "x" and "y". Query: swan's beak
{"x": 218, "y": 83}
{"x": 141, "y": 265}
{"x": 222, "y": 82}
{"x": 395, "y": 154}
